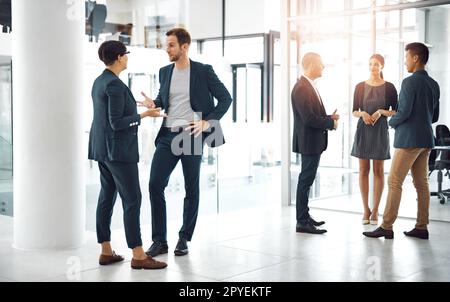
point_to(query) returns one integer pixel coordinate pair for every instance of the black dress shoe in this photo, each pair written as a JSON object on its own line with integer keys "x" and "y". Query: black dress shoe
{"x": 157, "y": 248}
{"x": 181, "y": 249}
{"x": 380, "y": 232}
{"x": 418, "y": 233}
{"x": 308, "y": 228}
{"x": 315, "y": 223}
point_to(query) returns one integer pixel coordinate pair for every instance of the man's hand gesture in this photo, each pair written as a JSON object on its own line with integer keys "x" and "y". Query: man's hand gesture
{"x": 147, "y": 102}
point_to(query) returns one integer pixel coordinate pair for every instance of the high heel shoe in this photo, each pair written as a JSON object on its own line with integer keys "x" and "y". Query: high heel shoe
{"x": 374, "y": 221}
{"x": 366, "y": 221}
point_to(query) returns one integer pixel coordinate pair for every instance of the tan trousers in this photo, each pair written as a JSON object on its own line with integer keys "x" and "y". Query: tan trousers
{"x": 416, "y": 160}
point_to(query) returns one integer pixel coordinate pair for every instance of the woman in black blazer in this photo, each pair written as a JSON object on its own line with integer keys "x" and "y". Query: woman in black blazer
{"x": 113, "y": 144}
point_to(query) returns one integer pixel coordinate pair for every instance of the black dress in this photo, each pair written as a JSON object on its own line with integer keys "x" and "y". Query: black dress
{"x": 372, "y": 142}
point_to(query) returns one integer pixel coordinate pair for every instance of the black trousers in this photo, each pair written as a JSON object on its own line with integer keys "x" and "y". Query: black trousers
{"x": 171, "y": 148}
{"x": 123, "y": 178}
{"x": 310, "y": 163}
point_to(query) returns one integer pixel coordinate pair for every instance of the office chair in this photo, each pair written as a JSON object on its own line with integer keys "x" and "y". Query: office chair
{"x": 440, "y": 160}
{"x": 97, "y": 20}
{"x": 443, "y": 135}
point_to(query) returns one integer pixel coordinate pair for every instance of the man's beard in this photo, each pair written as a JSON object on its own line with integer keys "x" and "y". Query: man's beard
{"x": 175, "y": 58}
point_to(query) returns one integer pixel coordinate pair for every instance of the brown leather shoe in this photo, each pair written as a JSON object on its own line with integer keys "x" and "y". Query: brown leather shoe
{"x": 147, "y": 263}
{"x": 109, "y": 259}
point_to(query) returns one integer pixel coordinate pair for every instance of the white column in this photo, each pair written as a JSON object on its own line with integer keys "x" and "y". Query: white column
{"x": 139, "y": 23}
{"x": 49, "y": 156}
{"x": 285, "y": 134}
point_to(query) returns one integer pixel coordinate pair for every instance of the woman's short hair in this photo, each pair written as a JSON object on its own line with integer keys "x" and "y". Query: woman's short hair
{"x": 109, "y": 51}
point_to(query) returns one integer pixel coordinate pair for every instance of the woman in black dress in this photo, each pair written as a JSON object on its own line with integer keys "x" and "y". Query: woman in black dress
{"x": 374, "y": 101}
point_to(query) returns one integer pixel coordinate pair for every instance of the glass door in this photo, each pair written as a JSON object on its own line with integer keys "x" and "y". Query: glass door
{"x": 248, "y": 164}
{"x": 6, "y": 141}
{"x": 247, "y": 159}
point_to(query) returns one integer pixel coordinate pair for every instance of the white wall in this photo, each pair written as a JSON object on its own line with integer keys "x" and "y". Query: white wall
{"x": 242, "y": 17}
{"x": 272, "y": 15}
{"x": 205, "y": 25}
{"x": 5, "y": 44}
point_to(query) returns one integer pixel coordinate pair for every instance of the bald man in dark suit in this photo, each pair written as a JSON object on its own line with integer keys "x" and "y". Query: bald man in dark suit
{"x": 310, "y": 139}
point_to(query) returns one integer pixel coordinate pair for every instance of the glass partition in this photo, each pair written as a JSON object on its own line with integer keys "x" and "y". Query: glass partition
{"x": 248, "y": 165}
{"x": 346, "y": 39}
{"x": 6, "y": 141}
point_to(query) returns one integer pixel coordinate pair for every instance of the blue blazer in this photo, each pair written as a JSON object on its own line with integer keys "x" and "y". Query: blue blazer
{"x": 113, "y": 135}
{"x": 204, "y": 86}
{"x": 418, "y": 108}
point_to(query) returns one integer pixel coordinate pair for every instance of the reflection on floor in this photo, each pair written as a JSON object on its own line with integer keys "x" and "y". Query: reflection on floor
{"x": 408, "y": 206}
{"x": 250, "y": 245}
{"x": 261, "y": 189}
{"x": 338, "y": 189}
{"x": 252, "y": 238}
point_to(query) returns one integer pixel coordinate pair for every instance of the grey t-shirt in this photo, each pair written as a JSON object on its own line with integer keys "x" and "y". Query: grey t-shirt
{"x": 180, "y": 112}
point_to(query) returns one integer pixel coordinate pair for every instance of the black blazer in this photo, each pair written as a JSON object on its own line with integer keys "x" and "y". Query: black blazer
{"x": 204, "y": 86}
{"x": 310, "y": 120}
{"x": 113, "y": 135}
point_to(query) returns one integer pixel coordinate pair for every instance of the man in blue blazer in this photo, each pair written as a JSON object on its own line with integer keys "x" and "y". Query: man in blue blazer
{"x": 187, "y": 92}
{"x": 418, "y": 108}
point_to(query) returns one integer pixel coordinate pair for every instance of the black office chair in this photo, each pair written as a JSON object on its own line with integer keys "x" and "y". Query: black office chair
{"x": 440, "y": 160}
{"x": 97, "y": 21}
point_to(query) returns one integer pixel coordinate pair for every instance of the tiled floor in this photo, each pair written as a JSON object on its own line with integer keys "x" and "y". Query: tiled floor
{"x": 256, "y": 245}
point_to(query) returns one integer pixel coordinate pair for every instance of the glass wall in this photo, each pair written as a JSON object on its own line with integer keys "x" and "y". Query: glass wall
{"x": 6, "y": 151}
{"x": 241, "y": 174}
{"x": 346, "y": 35}
{"x": 331, "y": 38}
{"x": 248, "y": 165}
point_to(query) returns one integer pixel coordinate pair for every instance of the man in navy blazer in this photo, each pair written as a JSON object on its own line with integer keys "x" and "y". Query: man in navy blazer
{"x": 310, "y": 139}
{"x": 187, "y": 91}
{"x": 418, "y": 108}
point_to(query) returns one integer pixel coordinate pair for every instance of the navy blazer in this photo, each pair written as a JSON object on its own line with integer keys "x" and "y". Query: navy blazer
{"x": 204, "y": 86}
{"x": 418, "y": 108}
{"x": 311, "y": 121}
{"x": 113, "y": 135}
